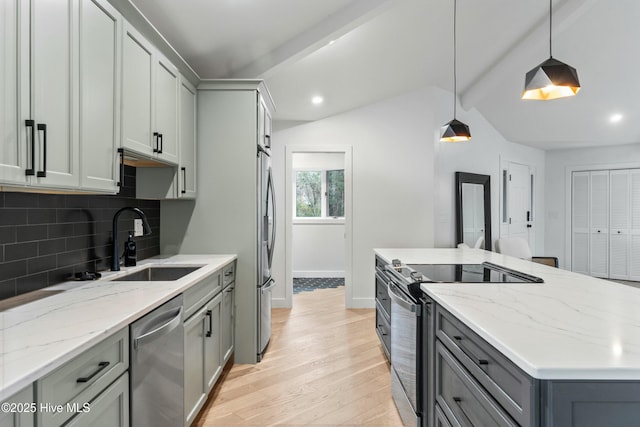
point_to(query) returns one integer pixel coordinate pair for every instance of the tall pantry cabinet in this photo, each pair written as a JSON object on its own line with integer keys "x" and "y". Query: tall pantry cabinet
{"x": 605, "y": 223}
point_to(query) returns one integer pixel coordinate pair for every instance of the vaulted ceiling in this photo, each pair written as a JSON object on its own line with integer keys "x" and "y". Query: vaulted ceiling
{"x": 355, "y": 52}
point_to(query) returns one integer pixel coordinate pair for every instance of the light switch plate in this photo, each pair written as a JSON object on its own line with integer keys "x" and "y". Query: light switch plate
{"x": 137, "y": 227}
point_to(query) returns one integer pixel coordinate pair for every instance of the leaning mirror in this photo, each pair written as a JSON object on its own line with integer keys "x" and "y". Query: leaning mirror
{"x": 473, "y": 210}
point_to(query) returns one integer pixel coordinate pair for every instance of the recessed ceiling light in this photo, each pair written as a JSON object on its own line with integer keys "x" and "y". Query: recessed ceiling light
{"x": 615, "y": 118}
{"x": 317, "y": 100}
{"x": 331, "y": 42}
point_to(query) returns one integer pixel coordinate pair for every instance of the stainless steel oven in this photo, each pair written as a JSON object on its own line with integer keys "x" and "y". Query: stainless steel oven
{"x": 406, "y": 348}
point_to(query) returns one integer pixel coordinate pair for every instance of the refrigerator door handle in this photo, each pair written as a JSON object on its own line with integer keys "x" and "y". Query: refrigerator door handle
{"x": 273, "y": 209}
{"x": 268, "y": 286}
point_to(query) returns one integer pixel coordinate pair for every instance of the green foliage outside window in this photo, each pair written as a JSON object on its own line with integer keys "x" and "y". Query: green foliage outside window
{"x": 308, "y": 194}
{"x": 335, "y": 193}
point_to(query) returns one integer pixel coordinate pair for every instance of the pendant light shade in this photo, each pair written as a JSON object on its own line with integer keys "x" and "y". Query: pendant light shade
{"x": 455, "y": 130}
{"x": 552, "y": 79}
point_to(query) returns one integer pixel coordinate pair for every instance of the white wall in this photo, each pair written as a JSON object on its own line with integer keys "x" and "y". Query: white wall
{"x": 558, "y": 164}
{"x": 318, "y": 249}
{"x": 392, "y": 144}
{"x": 481, "y": 155}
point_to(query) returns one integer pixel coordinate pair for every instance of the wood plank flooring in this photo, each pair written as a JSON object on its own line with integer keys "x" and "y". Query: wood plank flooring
{"x": 324, "y": 367}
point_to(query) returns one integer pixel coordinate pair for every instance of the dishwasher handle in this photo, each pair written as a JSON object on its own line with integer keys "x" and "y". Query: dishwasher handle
{"x": 161, "y": 330}
{"x": 396, "y": 296}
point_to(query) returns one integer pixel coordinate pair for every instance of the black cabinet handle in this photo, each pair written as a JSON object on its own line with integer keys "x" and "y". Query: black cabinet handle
{"x": 598, "y": 231}
{"x": 230, "y": 289}
{"x": 528, "y": 215}
{"x": 479, "y": 361}
{"x": 184, "y": 180}
{"x": 161, "y": 144}
{"x": 156, "y": 139}
{"x": 228, "y": 273}
{"x": 101, "y": 367}
{"x": 121, "y": 154}
{"x": 267, "y": 142}
{"x": 43, "y": 173}
{"x": 618, "y": 231}
{"x": 31, "y": 171}
{"x": 210, "y": 315}
{"x": 458, "y": 401}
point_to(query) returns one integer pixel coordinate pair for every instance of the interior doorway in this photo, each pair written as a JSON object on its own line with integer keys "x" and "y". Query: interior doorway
{"x": 318, "y": 219}
{"x": 517, "y": 201}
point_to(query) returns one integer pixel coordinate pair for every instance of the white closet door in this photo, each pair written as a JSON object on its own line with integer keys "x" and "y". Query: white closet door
{"x": 634, "y": 230}
{"x": 599, "y": 224}
{"x": 619, "y": 224}
{"x": 580, "y": 223}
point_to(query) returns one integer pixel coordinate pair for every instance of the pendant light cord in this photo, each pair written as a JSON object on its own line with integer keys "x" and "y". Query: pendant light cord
{"x": 455, "y": 82}
{"x": 550, "y": 27}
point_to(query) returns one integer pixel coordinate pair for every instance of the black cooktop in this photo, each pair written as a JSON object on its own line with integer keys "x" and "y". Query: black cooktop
{"x": 466, "y": 273}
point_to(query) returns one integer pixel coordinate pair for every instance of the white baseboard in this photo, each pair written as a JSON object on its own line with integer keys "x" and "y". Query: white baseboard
{"x": 279, "y": 303}
{"x": 304, "y": 274}
{"x": 361, "y": 303}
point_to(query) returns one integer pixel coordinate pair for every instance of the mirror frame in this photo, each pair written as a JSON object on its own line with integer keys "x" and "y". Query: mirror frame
{"x": 485, "y": 181}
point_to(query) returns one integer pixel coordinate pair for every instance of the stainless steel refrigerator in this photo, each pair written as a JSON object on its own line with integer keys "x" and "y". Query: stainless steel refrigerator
{"x": 266, "y": 239}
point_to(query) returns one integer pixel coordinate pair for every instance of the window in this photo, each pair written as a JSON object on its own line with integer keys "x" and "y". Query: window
{"x": 319, "y": 194}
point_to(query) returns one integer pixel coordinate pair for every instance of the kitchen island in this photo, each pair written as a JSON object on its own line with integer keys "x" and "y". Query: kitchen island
{"x": 566, "y": 350}
{"x": 38, "y": 337}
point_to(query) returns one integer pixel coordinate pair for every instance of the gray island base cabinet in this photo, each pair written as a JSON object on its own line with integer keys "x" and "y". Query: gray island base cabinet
{"x": 475, "y": 385}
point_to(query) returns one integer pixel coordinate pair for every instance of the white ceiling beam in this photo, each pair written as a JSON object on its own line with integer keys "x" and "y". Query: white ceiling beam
{"x": 334, "y": 26}
{"x": 563, "y": 17}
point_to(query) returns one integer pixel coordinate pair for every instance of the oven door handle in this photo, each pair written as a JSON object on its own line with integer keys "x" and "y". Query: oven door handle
{"x": 401, "y": 300}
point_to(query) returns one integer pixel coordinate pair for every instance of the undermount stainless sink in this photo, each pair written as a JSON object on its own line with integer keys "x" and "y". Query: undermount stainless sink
{"x": 157, "y": 274}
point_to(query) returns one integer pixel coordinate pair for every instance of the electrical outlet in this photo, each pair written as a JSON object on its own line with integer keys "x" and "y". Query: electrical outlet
{"x": 137, "y": 227}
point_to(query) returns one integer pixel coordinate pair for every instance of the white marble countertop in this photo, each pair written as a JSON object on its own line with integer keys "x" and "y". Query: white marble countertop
{"x": 37, "y": 337}
{"x": 570, "y": 327}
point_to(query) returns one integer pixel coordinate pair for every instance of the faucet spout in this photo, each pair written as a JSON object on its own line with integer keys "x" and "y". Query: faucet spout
{"x": 115, "y": 262}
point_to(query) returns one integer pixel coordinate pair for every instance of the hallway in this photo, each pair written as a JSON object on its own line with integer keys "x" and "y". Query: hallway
{"x": 324, "y": 367}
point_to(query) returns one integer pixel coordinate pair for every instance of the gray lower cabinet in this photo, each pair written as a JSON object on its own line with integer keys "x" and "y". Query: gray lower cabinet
{"x": 383, "y": 308}
{"x": 228, "y": 320}
{"x": 110, "y": 408}
{"x": 476, "y": 385}
{"x": 85, "y": 381}
{"x": 202, "y": 355}
{"x": 21, "y": 409}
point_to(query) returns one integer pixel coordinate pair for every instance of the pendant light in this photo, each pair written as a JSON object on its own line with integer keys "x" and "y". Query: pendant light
{"x": 455, "y": 130}
{"x": 552, "y": 79}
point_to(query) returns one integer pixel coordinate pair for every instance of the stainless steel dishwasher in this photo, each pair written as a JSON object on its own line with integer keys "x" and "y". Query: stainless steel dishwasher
{"x": 157, "y": 367}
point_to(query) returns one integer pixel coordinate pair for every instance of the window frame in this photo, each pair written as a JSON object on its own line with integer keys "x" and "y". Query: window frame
{"x": 323, "y": 218}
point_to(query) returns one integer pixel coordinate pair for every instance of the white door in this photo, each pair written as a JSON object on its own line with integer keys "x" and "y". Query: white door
{"x": 634, "y": 230}
{"x": 54, "y": 89}
{"x": 580, "y": 222}
{"x": 619, "y": 224}
{"x": 519, "y": 202}
{"x": 99, "y": 94}
{"x": 599, "y": 224}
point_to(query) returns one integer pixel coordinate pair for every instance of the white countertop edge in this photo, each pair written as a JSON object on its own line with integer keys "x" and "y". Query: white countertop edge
{"x": 211, "y": 264}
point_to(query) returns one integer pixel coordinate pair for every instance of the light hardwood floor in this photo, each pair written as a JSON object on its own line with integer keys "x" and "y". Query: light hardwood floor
{"x": 324, "y": 367}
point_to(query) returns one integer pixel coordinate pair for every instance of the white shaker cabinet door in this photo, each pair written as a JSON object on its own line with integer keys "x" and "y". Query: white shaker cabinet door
{"x": 137, "y": 90}
{"x": 100, "y": 29}
{"x": 54, "y": 91}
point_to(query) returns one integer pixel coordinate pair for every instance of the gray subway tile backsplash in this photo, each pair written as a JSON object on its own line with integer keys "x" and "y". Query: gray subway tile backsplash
{"x": 46, "y": 238}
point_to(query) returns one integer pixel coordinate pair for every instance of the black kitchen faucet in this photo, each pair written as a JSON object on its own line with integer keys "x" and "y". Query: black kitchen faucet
{"x": 115, "y": 262}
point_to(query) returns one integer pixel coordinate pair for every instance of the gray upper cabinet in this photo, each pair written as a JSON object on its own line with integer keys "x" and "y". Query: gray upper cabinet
{"x": 39, "y": 83}
{"x": 187, "y": 123}
{"x": 100, "y": 53}
{"x": 137, "y": 89}
{"x": 60, "y": 89}
{"x": 149, "y": 100}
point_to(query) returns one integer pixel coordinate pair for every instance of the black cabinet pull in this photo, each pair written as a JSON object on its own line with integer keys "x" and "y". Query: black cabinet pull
{"x": 267, "y": 142}
{"x": 184, "y": 180}
{"x": 458, "y": 401}
{"x": 101, "y": 367}
{"x": 31, "y": 171}
{"x": 156, "y": 148}
{"x": 598, "y": 231}
{"x": 210, "y": 315}
{"x": 121, "y": 154}
{"x": 228, "y": 273}
{"x": 618, "y": 231}
{"x": 43, "y": 173}
{"x": 160, "y": 144}
{"x": 478, "y": 361}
